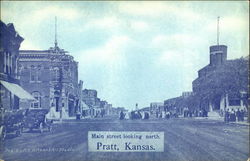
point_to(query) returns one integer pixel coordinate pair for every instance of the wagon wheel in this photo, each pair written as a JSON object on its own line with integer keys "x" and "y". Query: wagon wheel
{"x": 41, "y": 127}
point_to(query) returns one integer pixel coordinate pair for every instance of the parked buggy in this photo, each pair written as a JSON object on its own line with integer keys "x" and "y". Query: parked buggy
{"x": 13, "y": 123}
{"x": 36, "y": 119}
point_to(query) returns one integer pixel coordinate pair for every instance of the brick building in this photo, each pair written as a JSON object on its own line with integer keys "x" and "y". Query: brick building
{"x": 51, "y": 76}
{"x": 11, "y": 91}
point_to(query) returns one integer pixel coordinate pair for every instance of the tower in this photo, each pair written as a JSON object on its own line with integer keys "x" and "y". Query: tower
{"x": 218, "y": 53}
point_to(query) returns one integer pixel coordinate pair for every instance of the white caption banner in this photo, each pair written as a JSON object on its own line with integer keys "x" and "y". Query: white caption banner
{"x": 129, "y": 141}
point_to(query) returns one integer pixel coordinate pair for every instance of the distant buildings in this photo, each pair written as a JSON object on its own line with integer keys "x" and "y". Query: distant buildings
{"x": 51, "y": 76}
{"x": 10, "y": 89}
{"x": 98, "y": 107}
{"x": 116, "y": 111}
{"x": 89, "y": 97}
{"x": 156, "y": 106}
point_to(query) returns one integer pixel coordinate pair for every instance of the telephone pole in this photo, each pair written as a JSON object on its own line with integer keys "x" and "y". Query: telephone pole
{"x": 218, "y": 30}
{"x": 55, "y": 31}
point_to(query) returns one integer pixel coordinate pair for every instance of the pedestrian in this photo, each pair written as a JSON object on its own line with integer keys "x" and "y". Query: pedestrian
{"x": 121, "y": 115}
{"x": 163, "y": 114}
{"x": 185, "y": 112}
{"x": 205, "y": 113}
{"x": 226, "y": 119}
{"x": 157, "y": 113}
{"x": 242, "y": 114}
{"x": 238, "y": 115}
{"x": 167, "y": 115}
{"x": 196, "y": 113}
{"x": 200, "y": 113}
{"x": 190, "y": 114}
{"x": 102, "y": 112}
{"x": 232, "y": 116}
{"x": 160, "y": 116}
{"x": 146, "y": 115}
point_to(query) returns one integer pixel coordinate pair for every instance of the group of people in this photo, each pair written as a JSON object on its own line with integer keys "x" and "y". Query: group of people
{"x": 165, "y": 114}
{"x": 195, "y": 113}
{"x": 134, "y": 115}
{"x": 229, "y": 116}
{"x": 233, "y": 116}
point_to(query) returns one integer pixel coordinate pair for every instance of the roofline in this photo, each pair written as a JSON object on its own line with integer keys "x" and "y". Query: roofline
{"x": 33, "y": 50}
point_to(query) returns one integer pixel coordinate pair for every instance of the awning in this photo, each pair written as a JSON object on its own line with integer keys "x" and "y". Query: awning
{"x": 17, "y": 90}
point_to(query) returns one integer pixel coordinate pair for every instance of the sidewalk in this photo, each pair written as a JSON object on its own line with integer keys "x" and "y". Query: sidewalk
{"x": 69, "y": 119}
{"x": 222, "y": 119}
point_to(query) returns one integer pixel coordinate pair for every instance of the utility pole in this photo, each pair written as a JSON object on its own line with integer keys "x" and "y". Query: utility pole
{"x": 55, "y": 31}
{"x": 218, "y": 30}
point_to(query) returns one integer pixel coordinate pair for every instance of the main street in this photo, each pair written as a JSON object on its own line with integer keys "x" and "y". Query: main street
{"x": 185, "y": 139}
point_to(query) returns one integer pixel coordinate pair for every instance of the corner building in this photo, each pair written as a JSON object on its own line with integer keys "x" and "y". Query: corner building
{"x": 51, "y": 76}
{"x": 222, "y": 84}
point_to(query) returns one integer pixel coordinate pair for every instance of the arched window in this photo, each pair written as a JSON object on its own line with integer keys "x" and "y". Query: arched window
{"x": 37, "y": 103}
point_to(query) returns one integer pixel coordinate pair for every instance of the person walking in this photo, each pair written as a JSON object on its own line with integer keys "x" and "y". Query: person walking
{"x": 121, "y": 115}
{"x": 146, "y": 115}
{"x": 157, "y": 113}
{"x": 242, "y": 115}
{"x": 226, "y": 119}
{"x": 232, "y": 116}
{"x": 238, "y": 115}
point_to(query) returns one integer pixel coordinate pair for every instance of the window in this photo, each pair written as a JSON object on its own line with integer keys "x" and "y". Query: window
{"x": 32, "y": 73}
{"x": 11, "y": 63}
{"x": 37, "y": 103}
{"x": 7, "y": 63}
{"x": 4, "y": 61}
{"x": 35, "y": 73}
{"x": 56, "y": 74}
{"x": 38, "y": 72}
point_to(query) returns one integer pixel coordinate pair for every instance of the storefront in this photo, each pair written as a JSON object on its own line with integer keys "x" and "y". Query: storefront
{"x": 11, "y": 93}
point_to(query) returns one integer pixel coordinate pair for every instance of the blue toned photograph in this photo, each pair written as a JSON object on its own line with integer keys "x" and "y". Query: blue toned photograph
{"x": 124, "y": 81}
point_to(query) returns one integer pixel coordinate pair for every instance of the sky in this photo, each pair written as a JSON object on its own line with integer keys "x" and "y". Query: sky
{"x": 133, "y": 52}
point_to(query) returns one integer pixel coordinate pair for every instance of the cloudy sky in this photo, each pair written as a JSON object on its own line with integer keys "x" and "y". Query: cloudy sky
{"x": 134, "y": 52}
